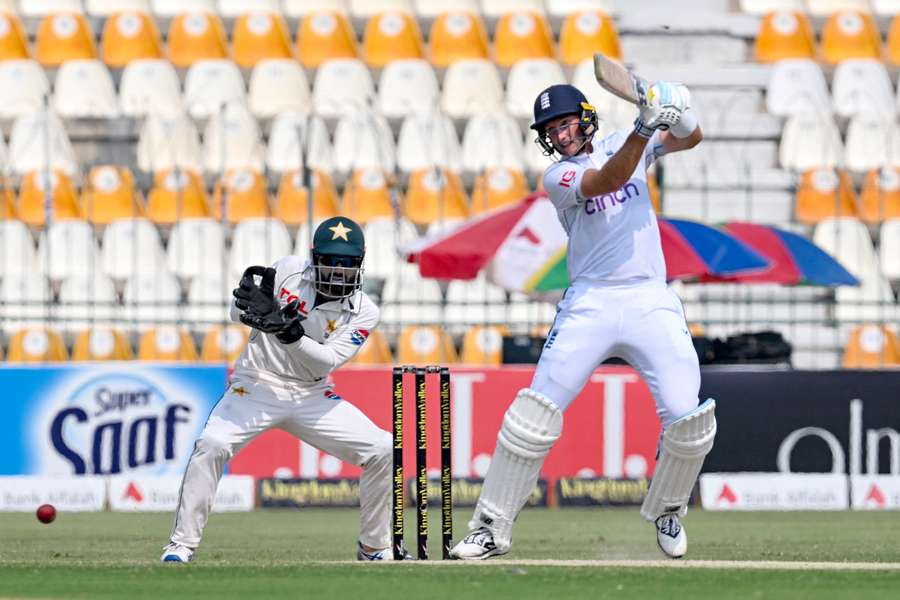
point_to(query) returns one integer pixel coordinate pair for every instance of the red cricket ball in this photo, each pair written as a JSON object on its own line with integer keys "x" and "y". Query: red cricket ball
{"x": 46, "y": 513}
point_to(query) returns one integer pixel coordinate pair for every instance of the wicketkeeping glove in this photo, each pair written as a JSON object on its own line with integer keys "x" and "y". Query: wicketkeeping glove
{"x": 284, "y": 322}
{"x": 259, "y": 299}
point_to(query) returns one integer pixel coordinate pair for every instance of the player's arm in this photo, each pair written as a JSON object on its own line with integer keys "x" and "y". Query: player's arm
{"x": 323, "y": 358}
{"x": 684, "y": 135}
{"x": 617, "y": 171}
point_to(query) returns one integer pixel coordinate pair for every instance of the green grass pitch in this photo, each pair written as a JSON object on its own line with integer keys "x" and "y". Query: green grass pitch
{"x": 308, "y": 553}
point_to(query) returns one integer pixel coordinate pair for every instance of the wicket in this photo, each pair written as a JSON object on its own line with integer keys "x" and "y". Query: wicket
{"x": 421, "y": 441}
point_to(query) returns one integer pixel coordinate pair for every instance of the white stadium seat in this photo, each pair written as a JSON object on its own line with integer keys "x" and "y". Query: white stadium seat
{"x": 88, "y": 300}
{"x": 492, "y": 140}
{"x": 824, "y": 8}
{"x": 209, "y": 298}
{"x": 869, "y": 142}
{"x": 68, "y": 248}
{"x": 363, "y": 140}
{"x": 536, "y": 162}
{"x": 40, "y": 8}
{"x": 475, "y": 301}
{"x": 23, "y": 87}
{"x": 494, "y": 9}
{"x": 278, "y": 85}
{"x": 151, "y": 298}
{"x": 28, "y": 149}
{"x": 24, "y": 300}
{"x": 168, "y": 141}
{"x": 363, "y": 9}
{"x": 132, "y": 245}
{"x": 149, "y": 85}
{"x": 559, "y": 9}
{"x": 236, "y": 8}
{"x": 885, "y": 8}
{"x": 428, "y": 141}
{"x": 342, "y": 86}
{"x": 762, "y": 7}
{"x": 84, "y": 89}
{"x": 889, "y": 250}
{"x": 285, "y": 151}
{"x": 406, "y": 87}
{"x": 797, "y": 87}
{"x": 259, "y": 241}
{"x": 301, "y": 8}
{"x": 17, "y": 252}
{"x": 383, "y": 237}
{"x": 471, "y": 87}
{"x": 614, "y": 113}
{"x": 862, "y": 87}
{"x": 196, "y": 246}
{"x": 527, "y": 79}
{"x": 210, "y": 85}
{"x": 408, "y": 297}
{"x": 232, "y": 140}
{"x": 809, "y": 142}
{"x": 173, "y": 8}
{"x": 430, "y": 9}
{"x": 106, "y": 8}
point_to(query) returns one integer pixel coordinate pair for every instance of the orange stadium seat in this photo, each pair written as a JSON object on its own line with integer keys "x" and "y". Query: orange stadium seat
{"x": 433, "y": 195}
{"x": 425, "y": 344}
{"x": 196, "y": 36}
{"x": 31, "y": 198}
{"x": 391, "y": 36}
{"x": 522, "y": 35}
{"x": 375, "y": 351}
{"x": 128, "y": 36}
{"x": 784, "y": 35}
{"x": 483, "y": 345}
{"x": 880, "y": 196}
{"x": 823, "y": 194}
{"x": 586, "y": 32}
{"x": 167, "y": 343}
{"x": 101, "y": 343}
{"x": 457, "y": 36}
{"x": 366, "y": 196}
{"x": 110, "y": 194}
{"x": 37, "y": 344}
{"x": 7, "y": 203}
{"x": 64, "y": 36}
{"x": 871, "y": 347}
{"x": 246, "y": 196}
{"x": 290, "y": 203}
{"x": 848, "y": 35}
{"x": 498, "y": 186}
{"x": 323, "y": 36}
{"x": 177, "y": 194}
{"x": 13, "y": 41}
{"x": 224, "y": 343}
{"x": 893, "y": 41}
{"x": 258, "y": 36}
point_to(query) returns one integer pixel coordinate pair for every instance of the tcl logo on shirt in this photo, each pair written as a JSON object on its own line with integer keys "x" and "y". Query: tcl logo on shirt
{"x": 567, "y": 178}
{"x": 288, "y": 296}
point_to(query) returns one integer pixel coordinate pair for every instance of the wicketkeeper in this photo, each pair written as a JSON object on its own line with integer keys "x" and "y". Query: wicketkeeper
{"x": 309, "y": 318}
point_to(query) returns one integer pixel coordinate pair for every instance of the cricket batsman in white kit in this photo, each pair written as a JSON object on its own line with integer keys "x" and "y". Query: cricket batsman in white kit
{"x": 618, "y": 304}
{"x": 309, "y": 318}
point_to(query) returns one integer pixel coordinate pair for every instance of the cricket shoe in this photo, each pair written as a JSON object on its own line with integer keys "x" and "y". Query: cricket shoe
{"x": 386, "y": 554}
{"x": 478, "y": 545}
{"x": 670, "y": 535}
{"x": 177, "y": 553}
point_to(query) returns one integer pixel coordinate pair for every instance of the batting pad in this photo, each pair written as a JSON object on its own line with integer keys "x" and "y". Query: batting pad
{"x": 530, "y": 427}
{"x": 684, "y": 445}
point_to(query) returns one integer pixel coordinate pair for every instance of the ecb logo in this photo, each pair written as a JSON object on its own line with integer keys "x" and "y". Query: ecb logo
{"x": 117, "y": 423}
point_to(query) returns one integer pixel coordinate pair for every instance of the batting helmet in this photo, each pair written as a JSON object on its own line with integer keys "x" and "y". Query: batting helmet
{"x": 337, "y": 255}
{"x": 558, "y": 101}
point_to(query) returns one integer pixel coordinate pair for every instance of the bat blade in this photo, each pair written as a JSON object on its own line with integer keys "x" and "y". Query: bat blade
{"x": 619, "y": 81}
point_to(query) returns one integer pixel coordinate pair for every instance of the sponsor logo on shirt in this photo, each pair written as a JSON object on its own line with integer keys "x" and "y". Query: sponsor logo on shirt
{"x": 567, "y": 178}
{"x": 288, "y": 297}
{"x": 359, "y": 336}
{"x": 601, "y": 203}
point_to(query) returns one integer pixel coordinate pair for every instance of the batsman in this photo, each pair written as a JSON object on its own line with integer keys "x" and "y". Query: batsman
{"x": 618, "y": 304}
{"x": 308, "y": 319}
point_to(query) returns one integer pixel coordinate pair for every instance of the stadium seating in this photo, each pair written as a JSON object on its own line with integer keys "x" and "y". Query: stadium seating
{"x": 149, "y": 86}
{"x": 471, "y": 86}
{"x": 457, "y": 36}
{"x": 131, "y": 246}
{"x": 428, "y": 141}
{"x": 291, "y": 205}
{"x": 41, "y": 8}
{"x": 196, "y": 246}
{"x": 167, "y": 343}
{"x": 232, "y": 140}
{"x": 871, "y": 143}
{"x": 366, "y": 196}
{"x": 797, "y": 87}
{"x": 850, "y": 34}
{"x": 784, "y": 35}
{"x": 25, "y": 300}
{"x": 504, "y": 149}
{"x": 151, "y": 298}
{"x": 407, "y": 86}
{"x": 434, "y": 195}
{"x": 167, "y": 141}
{"x": 84, "y": 89}
{"x": 176, "y": 194}
{"x": 872, "y": 347}
{"x": 87, "y": 301}
{"x": 109, "y": 194}
{"x": 259, "y": 36}
{"x": 107, "y": 8}
{"x": 375, "y": 351}
{"x": 823, "y": 194}
{"x": 810, "y": 142}
{"x": 36, "y": 345}
{"x": 68, "y": 249}
{"x": 23, "y": 87}
{"x": 483, "y": 345}
{"x": 224, "y": 343}
{"x": 391, "y": 36}
{"x": 889, "y": 252}
{"x": 195, "y": 36}
{"x": 38, "y": 140}
{"x": 173, "y": 8}
{"x": 301, "y": 8}
{"x": 880, "y": 196}
{"x": 325, "y": 36}
{"x": 209, "y": 298}
{"x": 290, "y": 144}
{"x": 342, "y": 86}
{"x": 101, "y": 343}
{"x": 474, "y": 301}
{"x": 129, "y": 36}
{"x": 17, "y": 248}
{"x": 257, "y": 241}
{"x": 278, "y": 85}
{"x": 36, "y": 186}
{"x": 383, "y": 237}
{"x": 422, "y": 344}
{"x": 242, "y": 194}
{"x": 586, "y": 32}
{"x": 64, "y": 36}
{"x": 363, "y": 140}
{"x": 497, "y": 187}
{"x": 520, "y": 35}
{"x": 528, "y": 78}
{"x": 13, "y": 40}
{"x": 212, "y": 85}
{"x": 408, "y": 298}
{"x": 862, "y": 86}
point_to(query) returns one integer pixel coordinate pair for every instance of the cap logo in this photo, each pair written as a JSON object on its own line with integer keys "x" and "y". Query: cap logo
{"x": 545, "y": 100}
{"x": 340, "y": 231}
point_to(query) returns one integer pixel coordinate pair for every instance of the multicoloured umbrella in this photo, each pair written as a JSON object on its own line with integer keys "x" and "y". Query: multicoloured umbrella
{"x": 793, "y": 258}
{"x": 523, "y": 246}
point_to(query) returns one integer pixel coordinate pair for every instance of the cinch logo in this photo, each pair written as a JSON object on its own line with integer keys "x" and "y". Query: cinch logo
{"x": 601, "y": 203}
{"x": 116, "y": 423}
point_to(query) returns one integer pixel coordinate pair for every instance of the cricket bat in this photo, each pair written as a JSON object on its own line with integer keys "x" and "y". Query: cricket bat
{"x": 619, "y": 81}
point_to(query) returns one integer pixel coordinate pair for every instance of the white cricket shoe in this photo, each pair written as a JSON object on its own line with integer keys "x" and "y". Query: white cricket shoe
{"x": 478, "y": 545}
{"x": 177, "y": 553}
{"x": 386, "y": 554}
{"x": 670, "y": 535}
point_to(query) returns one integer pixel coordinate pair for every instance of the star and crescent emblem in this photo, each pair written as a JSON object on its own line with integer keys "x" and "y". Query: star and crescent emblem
{"x": 340, "y": 231}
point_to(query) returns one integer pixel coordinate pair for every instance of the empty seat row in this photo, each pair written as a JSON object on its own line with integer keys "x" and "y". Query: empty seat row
{"x": 820, "y": 8}
{"x": 323, "y": 35}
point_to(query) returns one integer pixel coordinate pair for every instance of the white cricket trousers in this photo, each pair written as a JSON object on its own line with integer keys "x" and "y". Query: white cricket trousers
{"x": 316, "y": 416}
{"x": 642, "y": 324}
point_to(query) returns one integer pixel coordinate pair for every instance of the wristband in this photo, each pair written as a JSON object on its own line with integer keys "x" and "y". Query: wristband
{"x": 686, "y": 126}
{"x": 642, "y": 130}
